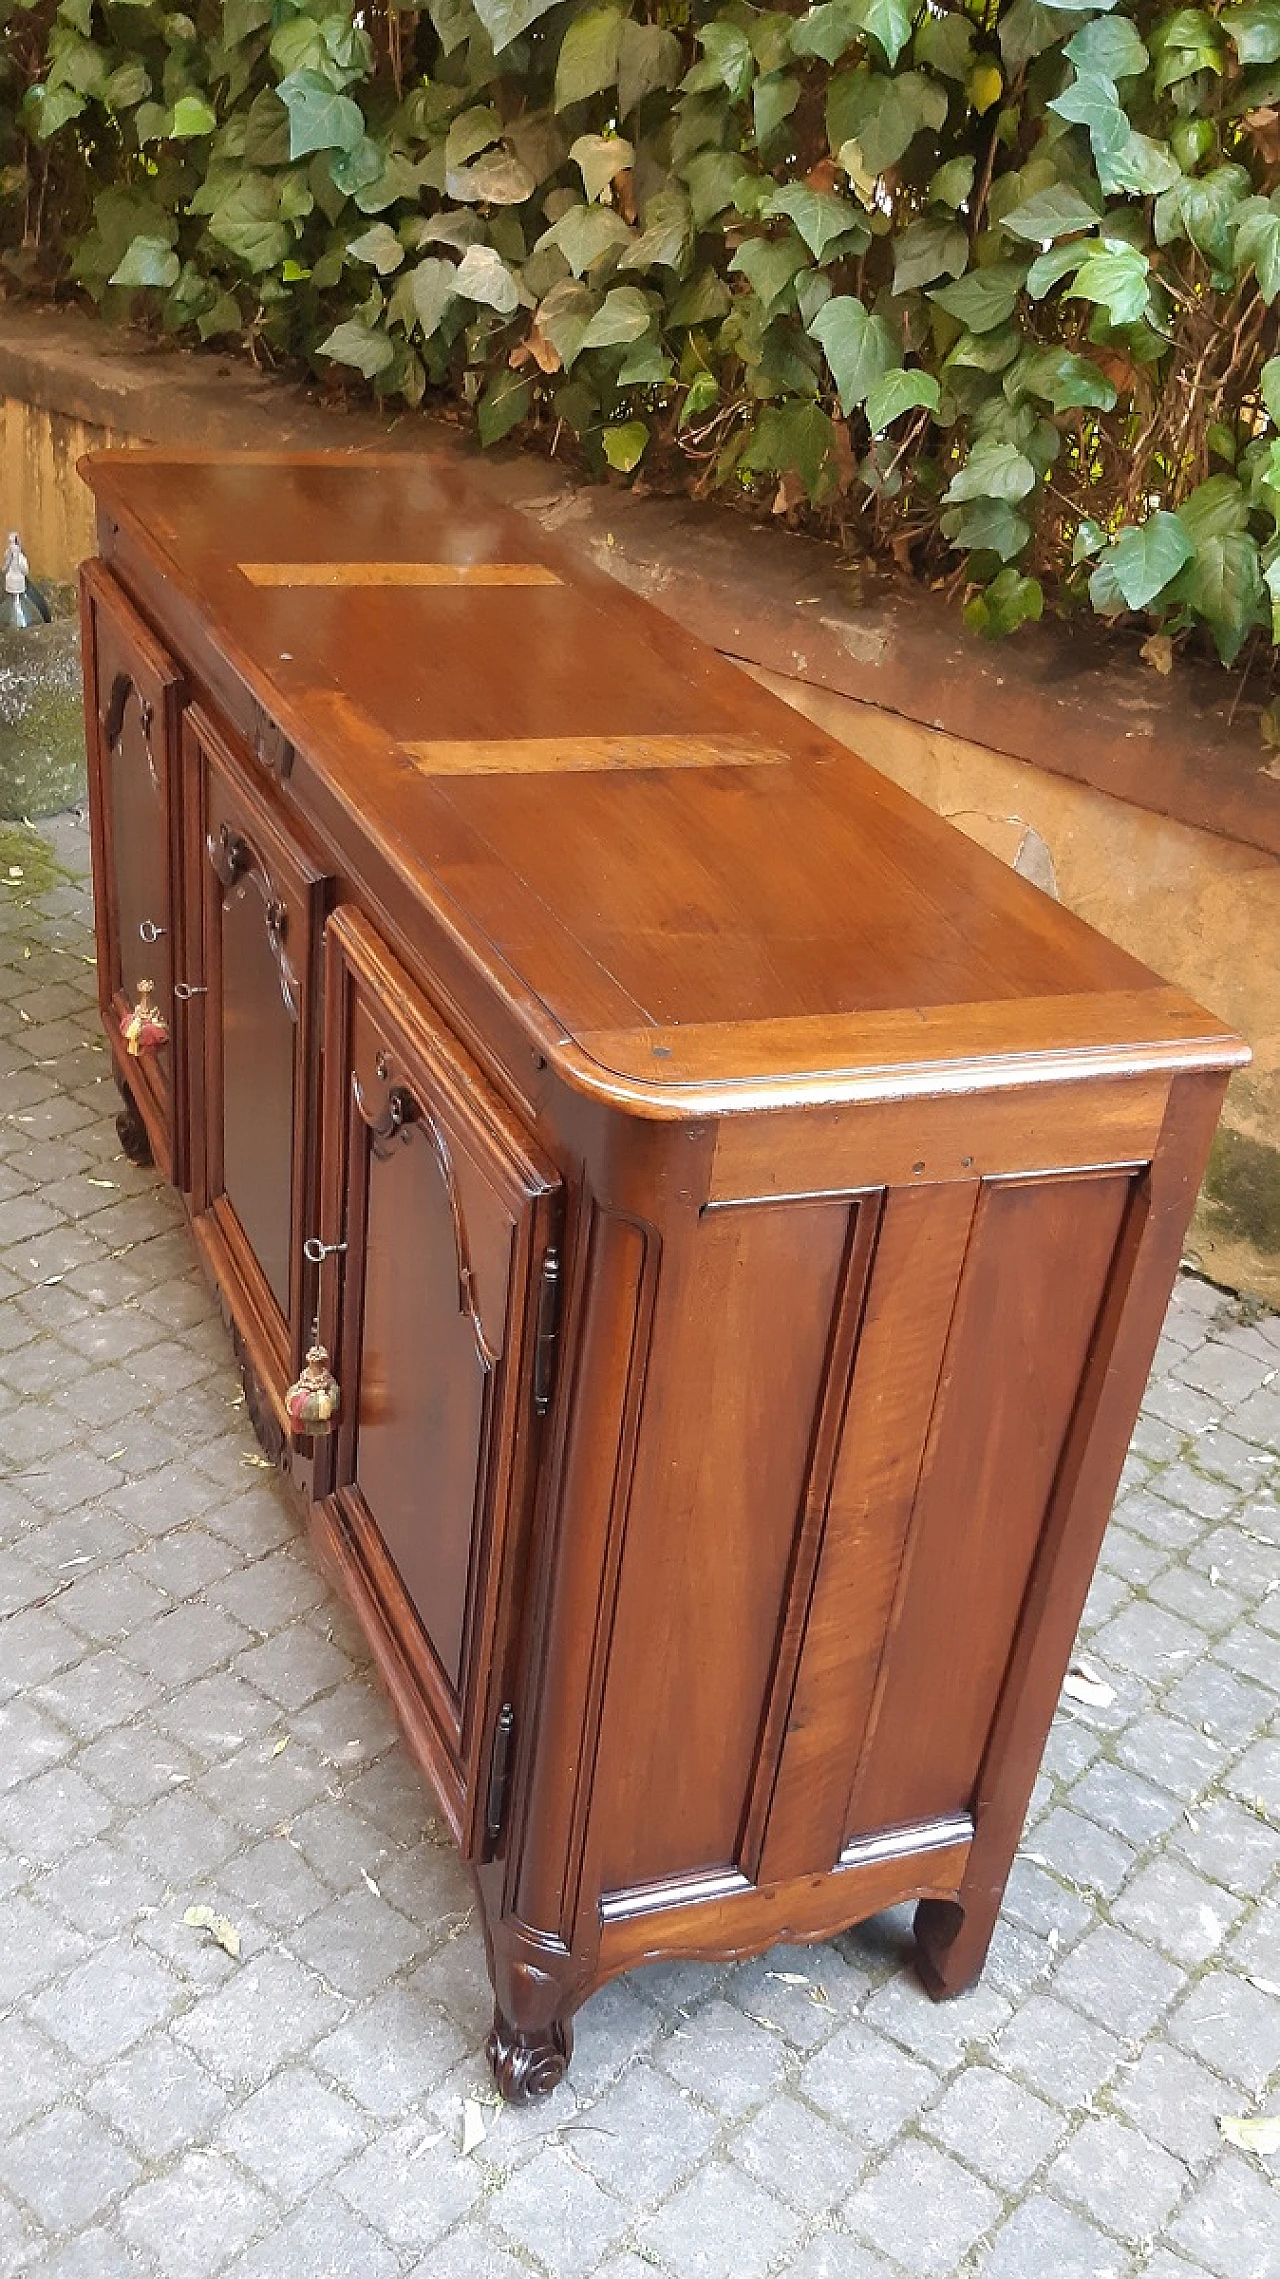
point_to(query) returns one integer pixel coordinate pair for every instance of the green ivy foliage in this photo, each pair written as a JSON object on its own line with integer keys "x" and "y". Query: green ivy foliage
{"x": 992, "y": 286}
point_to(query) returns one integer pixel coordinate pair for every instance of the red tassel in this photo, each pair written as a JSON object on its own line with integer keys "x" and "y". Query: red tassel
{"x": 145, "y": 1027}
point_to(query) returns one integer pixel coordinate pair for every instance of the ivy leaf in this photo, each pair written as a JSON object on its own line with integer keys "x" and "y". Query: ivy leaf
{"x": 1028, "y": 29}
{"x": 624, "y": 446}
{"x": 1269, "y": 385}
{"x": 588, "y": 59}
{"x": 1140, "y": 168}
{"x": 897, "y": 392}
{"x": 431, "y": 286}
{"x": 1258, "y": 248}
{"x": 929, "y": 248}
{"x": 356, "y": 344}
{"x": 503, "y": 405}
{"x": 882, "y": 116}
{"x": 649, "y": 57}
{"x": 774, "y": 100}
{"x": 380, "y": 247}
{"x": 586, "y": 235}
{"x": 504, "y": 20}
{"x": 992, "y": 471}
{"x": 888, "y": 22}
{"x": 319, "y": 117}
{"x": 792, "y": 437}
{"x": 497, "y": 179}
{"x": 769, "y": 268}
{"x": 987, "y": 526}
{"x": 128, "y": 85}
{"x": 1216, "y": 509}
{"x": 1057, "y": 212}
{"x": 1185, "y": 43}
{"x": 471, "y": 132}
{"x": 945, "y": 43}
{"x": 728, "y": 61}
{"x": 984, "y": 299}
{"x": 1009, "y": 601}
{"x": 1255, "y": 29}
{"x": 713, "y": 178}
{"x": 1068, "y": 382}
{"x": 192, "y": 117}
{"x": 1144, "y": 560}
{"x": 57, "y": 106}
{"x": 482, "y": 275}
{"x": 826, "y": 31}
{"x": 1047, "y": 268}
{"x": 1108, "y": 45}
{"x": 953, "y": 182}
{"x": 1117, "y": 281}
{"x": 624, "y": 315}
{"x": 666, "y": 241}
{"x": 1223, "y": 582}
{"x": 598, "y": 159}
{"x": 859, "y": 348}
{"x": 148, "y": 261}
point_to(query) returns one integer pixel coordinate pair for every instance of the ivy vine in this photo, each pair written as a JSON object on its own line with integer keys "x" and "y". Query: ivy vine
{"x": 993, "y": 287}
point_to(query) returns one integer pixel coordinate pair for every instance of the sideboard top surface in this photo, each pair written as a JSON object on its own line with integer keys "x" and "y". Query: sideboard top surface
{"x": 688, "y": 887}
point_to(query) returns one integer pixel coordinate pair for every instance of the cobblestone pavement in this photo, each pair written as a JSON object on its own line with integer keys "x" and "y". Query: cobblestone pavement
{"x": 187, "y": 1718}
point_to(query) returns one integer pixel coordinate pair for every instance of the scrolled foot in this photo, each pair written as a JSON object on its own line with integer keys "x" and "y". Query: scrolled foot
{"x": 132, "y": 1132}
{"x": 526, "y": 2066}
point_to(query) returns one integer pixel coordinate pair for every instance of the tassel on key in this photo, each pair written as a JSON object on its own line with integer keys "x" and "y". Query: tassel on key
{"x": 145, "y": 1027}
{"x": 314, "y": 1399}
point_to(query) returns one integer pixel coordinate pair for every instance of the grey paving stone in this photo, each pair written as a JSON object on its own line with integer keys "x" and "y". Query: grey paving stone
{"x": 1087, "y": 1856}
{"x": 66, "y": 2168}
{"x": 108, "y": 2004}
{"x": 36, "y": 1643}
{"x": 1119, "y": 1981}
{"x": 293, "y": 2132}
{"x": 180, "y": 1836}
{"x": 1230, "y": 1846}
{"x": 218, "y": 1715}
{"x": 101, "y": 1691}
{"x": 1183, "y": 1758}
{"x": 1042, "y": 1903}
{"x": 1173, "y": 1908}
{"x": 358, "y": 1942}
{"x": 1233, "y": 1709}
{"x": 614, "y": 2028}
{"x": 724, "y": 2057}
{"x": 790, "y": 2149}
{"x": 1122, "y": 1801}
{"x": 392, "y": 2052}
{"x": 158, "y": 2097}
{"x": 1120, "y": 2179}
{"x": 349, "y": 1727}
{"x": 186, "y": 1643}
{"x": 274, "y": 1881}
{"x": 265, "y": 1785}
{"x": 271, "y": 2010}
{"x": 641, "y": 2138}
{"x": 942, "y": 2033}
{"x": 34, "y": 1945}
{"x": 922, "y": 2208}
{"x": 720, "y": 2225}
{"x": 294, "y": 1667}
{"x": 136, "y": 1776}
{"x": 866, "y": 2085}
{"x": 1150, "y": 1641}
{"x": 1229, "y": 2225}
{"x": 411, "y": 2185}
{"x": 833, "y": 2255}
{"x": 1065, "y": 2056}
{"x": 1043, "y": 2237}
{"x": 1233, "y": 2026}
{"x": 323, "y": 2239}
{"x": 109, "y": 1603}
{"x": 1256, "y": 1779}
{"x": 1174, "y": 2100}
{"x": 96, "y": 2254}
{"x": 193, "y": 2218}
{"x": 996, "y": 2126}
{"x": 53, "y": 1813}
{"x": 30, "y": 1741}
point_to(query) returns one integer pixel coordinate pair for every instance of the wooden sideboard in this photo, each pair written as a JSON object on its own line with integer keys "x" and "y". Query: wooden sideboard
{"x": 740, "y": 1212}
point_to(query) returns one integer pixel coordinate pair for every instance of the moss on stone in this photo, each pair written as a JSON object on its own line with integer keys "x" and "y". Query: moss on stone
{"x": 28, "y": 865}
{"x": 1242, "y": 1190}
{"x": 42, "y": 766}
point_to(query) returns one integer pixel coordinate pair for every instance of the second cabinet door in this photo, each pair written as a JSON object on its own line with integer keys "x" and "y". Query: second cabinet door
{"x": 439, "y": 1313}
{"x": 254, "y": 908}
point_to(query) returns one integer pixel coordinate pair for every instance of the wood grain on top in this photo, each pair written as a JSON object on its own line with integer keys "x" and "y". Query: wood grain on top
{"x": 626, "y": 898}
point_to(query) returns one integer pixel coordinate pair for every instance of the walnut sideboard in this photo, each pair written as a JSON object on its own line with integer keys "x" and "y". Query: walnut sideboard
{"x": 738, "y": 1212}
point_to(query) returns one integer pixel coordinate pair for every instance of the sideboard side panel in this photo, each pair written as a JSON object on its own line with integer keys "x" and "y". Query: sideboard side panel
{"x": 1037, "y": 1266}
{"x": 744, "y": 1324}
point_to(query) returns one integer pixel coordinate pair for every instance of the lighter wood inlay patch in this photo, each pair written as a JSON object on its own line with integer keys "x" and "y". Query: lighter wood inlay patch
{"x": 398, "y": 574}
{"x": 559, "y": 755}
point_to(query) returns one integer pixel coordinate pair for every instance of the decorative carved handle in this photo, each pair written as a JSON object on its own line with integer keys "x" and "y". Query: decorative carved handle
{"x": 233, "y": 856}
{"x": 122, "y": 688}
{"x": 399, "y": 1117}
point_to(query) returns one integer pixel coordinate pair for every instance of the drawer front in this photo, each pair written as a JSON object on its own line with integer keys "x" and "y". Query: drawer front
{"x": 447, "y": 1212}
{"x": 132, "y": 696}
{"x": 255, "y": 907}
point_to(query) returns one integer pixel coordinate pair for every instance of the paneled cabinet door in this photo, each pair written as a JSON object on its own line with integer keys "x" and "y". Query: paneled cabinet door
{"x": 440, "y": 1315}
{"x": 254, "y": 910}
{"x": 133, "y": 694}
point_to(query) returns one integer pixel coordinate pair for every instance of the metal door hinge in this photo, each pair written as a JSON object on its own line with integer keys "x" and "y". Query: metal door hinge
{"x": 548, "y": 1329}
{"x": 499, "y": 1772}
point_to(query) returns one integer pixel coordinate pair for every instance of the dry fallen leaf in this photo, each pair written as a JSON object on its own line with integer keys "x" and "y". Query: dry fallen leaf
{"x": 1158, "y": 651}
{"x": 1252, "y": 2134}
{"x": 788, "y": 1977}
{"x": 376, "y": 1889}
{"x": 218, "y": 1928}
{"x": 1083, "y": 1684}
{"x": 280, "y": 1745}
{"x": 473, "y": 2128}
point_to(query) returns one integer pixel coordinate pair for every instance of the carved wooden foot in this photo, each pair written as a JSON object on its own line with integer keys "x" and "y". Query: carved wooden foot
{"x": 528, "y": 2065}
{"x": 131, "y": 1131}
{"x": 258, "y": 1409}
{"x": 951, "y": 1944}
